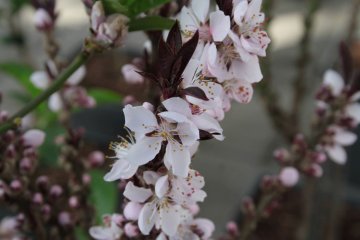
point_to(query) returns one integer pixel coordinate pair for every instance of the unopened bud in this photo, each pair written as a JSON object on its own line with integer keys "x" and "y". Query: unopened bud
{"x": 289, "y": 176}
{"x": 248, "y": 206}
{"x": 129, "y": 99}
{"x": 86, "y": 179}
{"x": 315, "y": 170}
{"x": 33, "y": 138}
{"x": 73, "y": 202}
{"x": 10, "y": 151}
{"x": 282, "y": 155}
{"x": 42, "y": 182}
{"x": 96, "y": 159}
{"x": 26, "y": 165}
{"x": 232, "y": 228}
{"x": 131, "y": 230}
{"x": 37, "y": 198}
{"x": 56, "y": 191}
{"x": 43, "y": 20}
{"x": 16, "y": 185}
{"x": 64, "y": 219}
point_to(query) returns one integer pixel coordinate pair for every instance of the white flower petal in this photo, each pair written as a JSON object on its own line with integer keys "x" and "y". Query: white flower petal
{"x": 173, "y": 117}
{"x": 139, "y": 119}
{"x": 207, "y": 123}
{"x": 201, "y": 9}
{"x": 136, "y": 194}
{"x": 206, "y": 226}
{"x": 249, "y": 71}
{"x": 239, "y": 11}
{"x": 179, "y": 158}
{"x": 353, "y": 110}
{"x": 253, "y": 9}
{"x": 188, "y": 133}
{"x": 162, "y": 186}
{"x": 144, "y": 150}
{"x": 179, "y": 105}
{"x": 334, "y": 81}
{"x": 55, "y": 102}
{"x": 345, "y": 138}
{"x": 147, "y": 218}
{"x": 219, "y": 25}
{"x": 337, "y": 153}
{"x": 101, "y": 233}
{"x": 40, "y": 79}
{"x": 188, "y": 21}
{"x": 150, "y": 177}
{"x": 77, "y": 76}
{"x": 121, "y": 169}
{"x": 170, "y": 219}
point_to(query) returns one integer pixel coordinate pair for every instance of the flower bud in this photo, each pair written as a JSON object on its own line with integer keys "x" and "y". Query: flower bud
{"x": 16, "y": 185}
{"x": 33, "y": 138}
{"x": 232, "y": 228}
{"x": 9, "y": 136}
{"x": 73, "y": 202}
{"x": 56, "y": 191}
{"x": 131, "y": 230}
{"x": 315, "y": 170}
{"x": 96, "y": 159}
{"x": 318, "y": 157}
{"x": 268, "y": 182}
{"x": 42, "y": 182}
{"x": 37, "y": 198}
{"x": 64, "y": 219}
{"x": 129, "y": 99}
{"x": 282, "y": 155}
{"x": 86, "y": 179}
{"x": 46, "y": 211}
{"x": 132, "y": 211}
{"x": 97, "y": 15}
{"x": 289, "y": 176}
{"x": 10, "y": 151}
{"x": 42, "y": 20}
{"x": 4, "y": 116}
{"x": 248, "y": 206}
{"x": 26, "y": 165}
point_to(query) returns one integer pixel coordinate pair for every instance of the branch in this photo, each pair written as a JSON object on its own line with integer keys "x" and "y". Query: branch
{"x": 303, "y": 61}
{"x": 15, "y": 120}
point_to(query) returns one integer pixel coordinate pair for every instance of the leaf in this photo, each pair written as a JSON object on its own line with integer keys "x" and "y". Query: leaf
{"x": 103, "y": 194}
{"x": 21, "y": 73}
{"x": 195, "y": 92}
{"x": 114, "y": 6}
{"x": 150, "y": 23}
{"x": 80, "y": 234}
{"x": 226, "y": 6}
{"x": 138, "y": 6}
{"x": 104, "y": 96}
{"x": 16, "y": 5}
{"x": 174, "y": 39}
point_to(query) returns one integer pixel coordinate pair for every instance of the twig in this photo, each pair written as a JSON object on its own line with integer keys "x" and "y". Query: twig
{"x": 303, "y": 61}
{"x": 353, "y": 21}
{"x": 15, "y": 120}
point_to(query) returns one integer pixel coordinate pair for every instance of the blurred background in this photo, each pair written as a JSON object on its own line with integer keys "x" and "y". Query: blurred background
{"x": 232, "y": 168}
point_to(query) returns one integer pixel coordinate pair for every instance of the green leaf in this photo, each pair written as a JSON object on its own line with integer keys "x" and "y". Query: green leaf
{"x": 80, "y": 234}
{"x": 21, "y": 73}
{"x": 138, "y": 6}
{"x": 104, "y": 96}
{"x": 16, "y": 5}
{"x": 150, "y": 23}
{"x": 114, "y": 6}
{"x": 103, "y": 194}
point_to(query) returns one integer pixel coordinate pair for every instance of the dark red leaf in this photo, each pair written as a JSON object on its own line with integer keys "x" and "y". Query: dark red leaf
{"x": 346, "y": 61}
{"x": 226, "y": 6}
{"x": 174, "y": 39}
{"x": 195, "y": 92}
{"x": 165, "y": 58}
{"x": 204, "y": 135}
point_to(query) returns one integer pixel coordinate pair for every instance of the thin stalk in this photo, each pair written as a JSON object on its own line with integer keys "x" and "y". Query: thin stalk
{"x": 303, "y": 61}
{"x": 15, "y": 120}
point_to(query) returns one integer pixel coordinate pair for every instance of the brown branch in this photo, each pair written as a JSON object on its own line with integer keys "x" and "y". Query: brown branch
{"x": 299, "y": 84}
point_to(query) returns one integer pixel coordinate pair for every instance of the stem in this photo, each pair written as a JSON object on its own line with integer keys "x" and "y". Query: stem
{"x": 303, "y": 62}
{"x": 15, "y": 120}
{"x": 353, "y": 21}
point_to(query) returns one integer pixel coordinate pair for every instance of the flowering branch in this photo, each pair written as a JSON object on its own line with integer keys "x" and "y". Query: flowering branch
{"x": 15, "y": 120}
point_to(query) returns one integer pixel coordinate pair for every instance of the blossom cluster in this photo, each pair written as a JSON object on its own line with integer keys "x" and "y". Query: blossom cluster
{"x": 207, "y": 60}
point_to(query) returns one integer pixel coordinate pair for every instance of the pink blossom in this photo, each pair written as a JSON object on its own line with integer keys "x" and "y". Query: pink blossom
{"x": 289, "y": 176}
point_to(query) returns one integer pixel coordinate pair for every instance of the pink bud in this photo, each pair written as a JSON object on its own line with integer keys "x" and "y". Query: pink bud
{"x": 118, "y": 219}
{"x": 96, "y": 159}
{"x": 16, "y": 185}
{"x": 204, "y": 226}
{"x": 281, "y": 155}
{"x": 148, "y": 106}
{"x": 37, "y": 198}
{"x": 86, "y": 179}
{"x": 10, "y": 151}
{"x": 248, "y": 206}
{"x": 232, "y": 228}
{"x": 26, "y": 164}
{"x": 268, "y": 182}
{"x": 319, "y": 157}
{"x": 131, "y": 230}
{"x": 33, "y": 138}
{"x": 46, "y": 210}
{"x": 64, "y": 218}
{"x": 315, "y": 170}
{"x": 129, "y": 99}
{"x": 42, "y": 182}
{"x": 73, "y": 202}
{"x": 43, "y": 20}
{"x": 289, "y": 176}
{"x": 132, "y": 211}
{"x": 56, "y": 191}
{"x": 4, "y": 116}
{"x": 194, "y": 209}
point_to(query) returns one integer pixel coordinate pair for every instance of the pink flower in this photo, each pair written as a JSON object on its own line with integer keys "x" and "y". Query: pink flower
{"x": 43, "y": 20}
{"x": 34, "y": 138}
